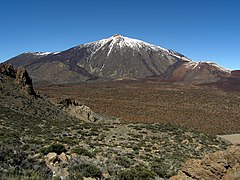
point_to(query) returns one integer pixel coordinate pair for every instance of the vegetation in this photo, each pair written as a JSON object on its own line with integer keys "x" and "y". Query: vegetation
{"x": 137, "y": 173}
{"x": 57, "y": 148}
{"x": 15, "y": 163}
{"x": 79, "y": 170}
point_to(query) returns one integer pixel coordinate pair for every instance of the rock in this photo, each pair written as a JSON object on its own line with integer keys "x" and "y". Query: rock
{"x": 106, "y": 175}
{"x": 8, "y": 70}
{"x": 74, "y": 156}
{"x": 24, "y": 81}
{"x": 63, "y": 157}
{"x": 37, "y": 156}
{"x": 219, "y": 165}
{"x": 78, "y": 110}
{"x": 88, "y": 178}
{"x": 51, "y": 157}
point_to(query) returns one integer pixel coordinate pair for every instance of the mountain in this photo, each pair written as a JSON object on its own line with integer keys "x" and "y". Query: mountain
{"x": 116, "y": 57}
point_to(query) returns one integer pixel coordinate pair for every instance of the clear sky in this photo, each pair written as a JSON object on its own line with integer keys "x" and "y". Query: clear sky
{"x": 199, "y": 29}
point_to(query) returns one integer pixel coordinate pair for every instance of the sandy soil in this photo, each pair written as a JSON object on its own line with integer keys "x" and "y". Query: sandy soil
{"x": 233, "y": 138}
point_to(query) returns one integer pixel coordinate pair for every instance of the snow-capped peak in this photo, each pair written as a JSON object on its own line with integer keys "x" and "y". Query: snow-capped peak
{"x": 119, "y": 41}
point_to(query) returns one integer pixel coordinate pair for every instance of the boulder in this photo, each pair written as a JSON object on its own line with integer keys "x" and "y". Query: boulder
{"x": 219, "y": 165}
{"x": 63, "y": 157}
{"x": 51, "y": 157}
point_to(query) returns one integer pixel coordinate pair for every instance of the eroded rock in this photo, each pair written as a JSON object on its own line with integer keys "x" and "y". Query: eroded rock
{"x": 78, "y": 110}
{"x": 21, "y": 77}
{"x": 8, "y": 70}
{"x": 24, "y": 81}
{"x": 219, "y": 165}
{"x": 51, "y": 157}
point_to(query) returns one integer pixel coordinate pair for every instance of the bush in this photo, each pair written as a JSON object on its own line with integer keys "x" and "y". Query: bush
{"x": 123, "y": 161}
{"x": 82, "y": 151}
{"x": 15, "y": 164}
{"x": 57, "y": 148}
{"x": 80, "y": 170}
{"x": 160, "y": 169}
{"x": 137, "y": 173}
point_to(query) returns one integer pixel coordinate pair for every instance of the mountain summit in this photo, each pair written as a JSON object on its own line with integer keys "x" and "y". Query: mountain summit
{"x": 116, "y": 57}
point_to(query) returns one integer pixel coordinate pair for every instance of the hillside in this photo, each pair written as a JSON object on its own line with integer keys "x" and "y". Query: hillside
{"x": 116, "y": 57}
{"x": 41, "y": 141}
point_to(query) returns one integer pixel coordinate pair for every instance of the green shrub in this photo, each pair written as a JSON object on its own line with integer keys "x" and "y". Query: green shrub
{"x": 159, "y": 169}
{"x": 136, "y": 173}
{"x": 57, "y": 148}
{"x": 123, "y": 161}
{"x": 80, "y": 170}
{"x": 82, "y": 151}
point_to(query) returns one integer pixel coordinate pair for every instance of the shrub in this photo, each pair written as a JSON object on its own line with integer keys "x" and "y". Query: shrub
{"x": 82, "y": 151}
{"x": 123, "y": 161}
{"x": 15, "y": 164}
{"x": 159, "y": 169}
{"x": 80, "y": 170}
{"x": 137, "y": 173}
{"x": 57, "y": 148}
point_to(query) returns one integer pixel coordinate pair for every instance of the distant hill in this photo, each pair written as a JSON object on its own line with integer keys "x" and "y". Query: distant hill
{"x": 116, "y": 57}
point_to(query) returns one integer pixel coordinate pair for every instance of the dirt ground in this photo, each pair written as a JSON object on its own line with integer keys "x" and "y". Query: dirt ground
{"x": 204, "y": 109}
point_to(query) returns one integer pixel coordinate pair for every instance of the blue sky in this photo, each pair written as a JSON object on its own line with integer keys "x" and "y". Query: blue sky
{"x": 199, "y": 29}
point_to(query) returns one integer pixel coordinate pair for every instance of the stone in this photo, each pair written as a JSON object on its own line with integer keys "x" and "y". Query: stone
{"x": 37, "y": 156}
{"x": 223, "y": 165}
{"x": 63, "y": 157}
{"x": 51, "y": 157}
{"x": 24, "y": 81}
{"x": 8, "y": 70}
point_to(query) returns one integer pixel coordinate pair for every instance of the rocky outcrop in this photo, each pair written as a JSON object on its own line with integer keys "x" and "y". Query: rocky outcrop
{"x": 78, "y": 110}
{"x": 223, "y": 165}
{"x": 22, "y": 79}
{"x": 8, "y": 70}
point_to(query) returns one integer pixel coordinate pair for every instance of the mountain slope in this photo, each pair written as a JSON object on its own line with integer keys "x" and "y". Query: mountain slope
{"x": 112, "y": 58}
{"x": 197, "y": 72}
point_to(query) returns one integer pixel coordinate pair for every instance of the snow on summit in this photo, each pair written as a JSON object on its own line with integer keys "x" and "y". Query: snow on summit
{"x": 118, "y": 41}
